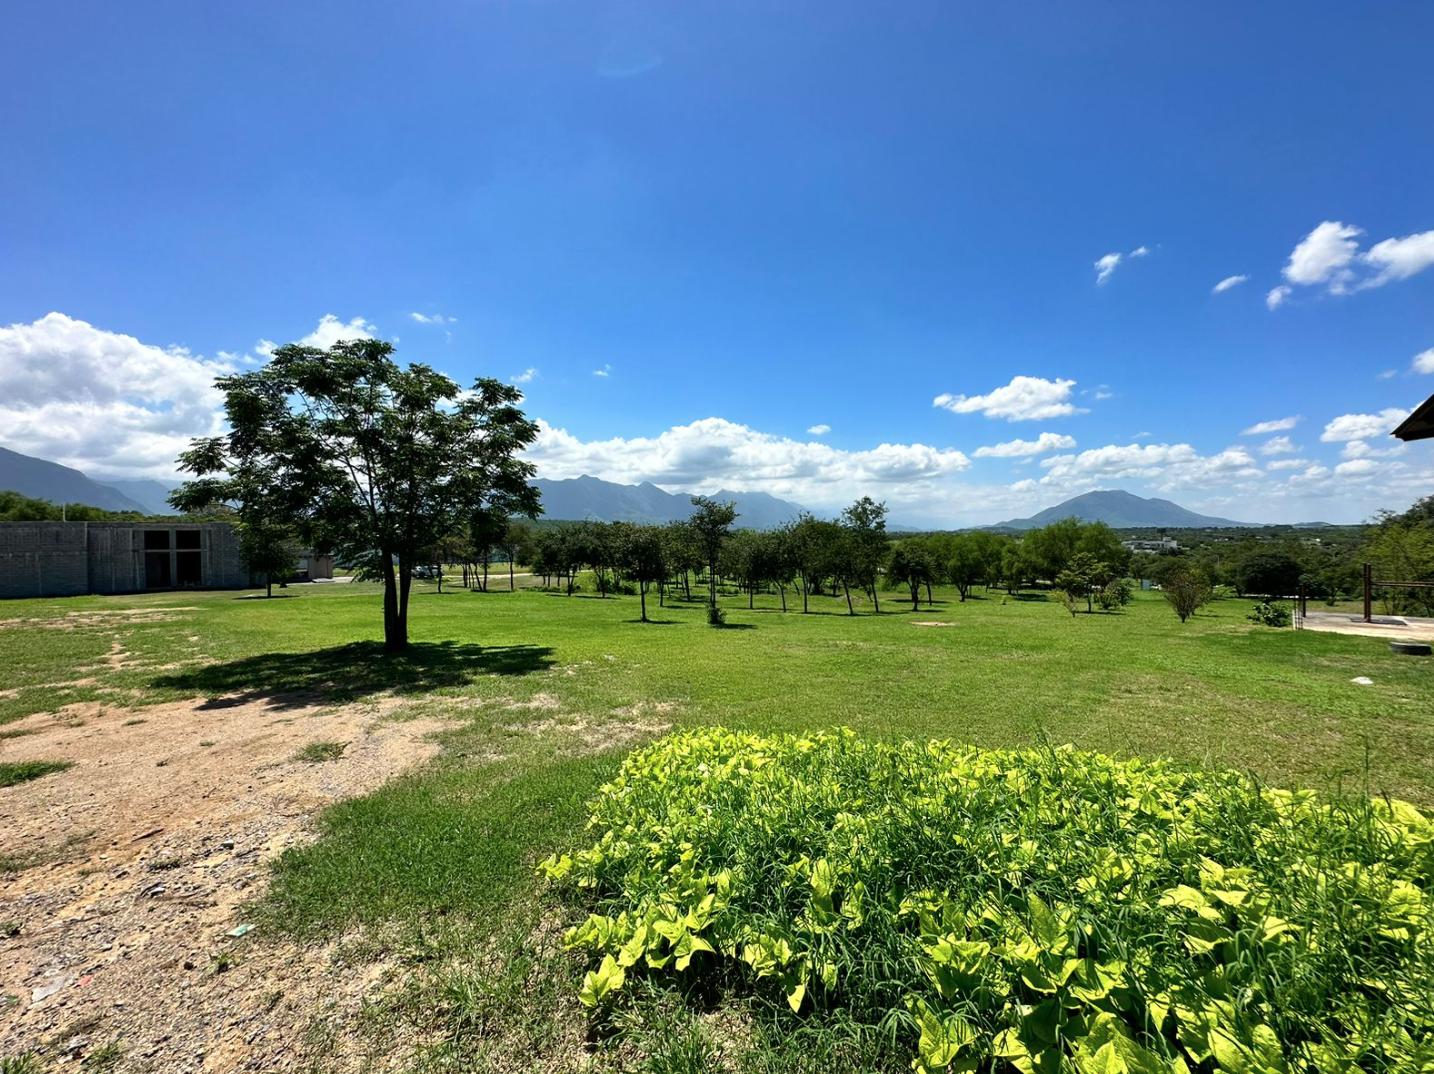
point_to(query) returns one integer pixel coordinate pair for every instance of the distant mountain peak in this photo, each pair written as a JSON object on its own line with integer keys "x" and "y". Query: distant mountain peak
{"x": 589, "y": 497}
{"x": 44, "y": 480}
{"x": 1121, "y": 510}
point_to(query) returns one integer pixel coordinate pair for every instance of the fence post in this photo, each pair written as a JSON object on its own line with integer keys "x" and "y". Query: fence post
{"x": 1368, "y": 593}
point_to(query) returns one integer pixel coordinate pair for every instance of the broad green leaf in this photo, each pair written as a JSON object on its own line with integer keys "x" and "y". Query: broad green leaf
{"x": 601, "y": 983}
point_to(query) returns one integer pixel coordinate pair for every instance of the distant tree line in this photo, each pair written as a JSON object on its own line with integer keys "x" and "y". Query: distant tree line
{"x": 16, "y": 507}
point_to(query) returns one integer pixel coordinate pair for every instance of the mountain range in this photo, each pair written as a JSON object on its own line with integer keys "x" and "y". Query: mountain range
{"x": 607, "y": 501}
{"x": 1120, "y": 510}
{"x": 44, "y": 480}
{"x": 578, "y": 498}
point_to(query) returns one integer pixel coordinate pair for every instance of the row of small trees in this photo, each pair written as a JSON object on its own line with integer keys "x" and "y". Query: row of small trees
{"x": 809, "y": 555}
{"x": 1082, "y": 559}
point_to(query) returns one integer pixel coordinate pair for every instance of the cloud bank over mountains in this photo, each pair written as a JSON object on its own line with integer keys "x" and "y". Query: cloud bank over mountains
{"x": 115, "y": 406}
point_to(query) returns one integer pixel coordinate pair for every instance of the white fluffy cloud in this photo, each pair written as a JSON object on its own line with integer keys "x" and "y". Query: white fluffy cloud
{"x": 1357, "y": 468}
{"x": 525, "y": 377}
{"x": 1227, "y": 283}
{"x": 1324, "y": 255}
{"x": 1362, "y": 426}
{"x": 432, "y": 318}
{"x": 1363, "y": 449}
{"x": 1165, "y": 466}
{"x": 1023, "y": 399}
{"x": 709, "y": 454}
{"x": 1278, "y": 445}
{"x": 1398, "y": 259}
{"x": 1287, "y": 464}
{"x": 1105, "y": 266}
{"x": 605, "y": 371}
{"x": 1423, "y": 361}
{"x": 1329, "y": 257}
{"x": 327, "y": 332}
{"x": 820, "y": 429}
{"x": 1015, "y": 449}
{"x": 113, "y": 406}
{"x": 1278, "y": 425}
{"x": 102, "y": 401}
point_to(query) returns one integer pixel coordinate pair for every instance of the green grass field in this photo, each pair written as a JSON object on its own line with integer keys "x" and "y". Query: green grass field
{"x": 547, "y": 692}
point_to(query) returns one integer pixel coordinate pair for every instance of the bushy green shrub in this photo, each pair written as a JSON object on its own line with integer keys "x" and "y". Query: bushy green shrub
{"x": 1117, "y": 593}
{"x": 1042, "y": 911}
{"x": 1268, "y": 613}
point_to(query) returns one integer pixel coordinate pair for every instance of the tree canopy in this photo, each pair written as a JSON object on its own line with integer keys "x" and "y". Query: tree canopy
{"x": 364, "y": 457}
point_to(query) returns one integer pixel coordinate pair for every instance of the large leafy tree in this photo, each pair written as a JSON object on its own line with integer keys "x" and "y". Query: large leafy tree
{"x": 370, "y": 459}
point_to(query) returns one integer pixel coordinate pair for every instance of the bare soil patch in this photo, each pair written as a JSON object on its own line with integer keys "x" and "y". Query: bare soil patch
{"x": 145, "y": 855}
{"x": 930, "y": 623}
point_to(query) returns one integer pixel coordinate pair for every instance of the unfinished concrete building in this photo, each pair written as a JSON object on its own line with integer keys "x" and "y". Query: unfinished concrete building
{"x": 64, "y": 559}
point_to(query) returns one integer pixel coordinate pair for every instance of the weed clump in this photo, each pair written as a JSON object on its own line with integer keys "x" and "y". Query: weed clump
{"x": 1041, "y": 910}
{"x": 13, "y": 773}
{"x": 319, "y": 752}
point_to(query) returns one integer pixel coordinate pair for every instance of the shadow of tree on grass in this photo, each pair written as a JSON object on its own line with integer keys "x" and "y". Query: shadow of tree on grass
{"x": 352, "y": 671}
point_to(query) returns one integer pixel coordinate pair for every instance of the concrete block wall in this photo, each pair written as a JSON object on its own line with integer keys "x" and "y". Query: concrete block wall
{"x": 223, "y": 565}
{"x": 66, "y": 559}
{"x": 43, "y": 559}
{"x": 116, "y": 558}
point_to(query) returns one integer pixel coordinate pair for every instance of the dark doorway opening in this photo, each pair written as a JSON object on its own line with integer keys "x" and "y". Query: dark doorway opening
{"x": 188, "y": 568}
{"x": 156, "y": 560}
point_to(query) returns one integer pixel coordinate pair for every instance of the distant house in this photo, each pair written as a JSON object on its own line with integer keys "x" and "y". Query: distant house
{"x": 1155, "y": 544}
{"x": 1420, "y": 424}
{"x": 66, "y": 559}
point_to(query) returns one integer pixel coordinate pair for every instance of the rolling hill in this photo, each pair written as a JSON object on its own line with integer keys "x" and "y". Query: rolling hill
{"x": 1120, "y": 510}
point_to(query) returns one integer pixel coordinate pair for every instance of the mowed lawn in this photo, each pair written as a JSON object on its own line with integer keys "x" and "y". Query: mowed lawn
{"x": 545, "y": 693}
{"x": 1006, "y": 671}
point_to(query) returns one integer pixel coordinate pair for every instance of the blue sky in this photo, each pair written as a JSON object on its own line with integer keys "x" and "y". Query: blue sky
{"x": 753, "y": 220}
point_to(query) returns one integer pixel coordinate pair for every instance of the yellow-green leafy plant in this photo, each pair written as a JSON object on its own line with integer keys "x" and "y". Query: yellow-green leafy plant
{"x": 1042, "y": 910}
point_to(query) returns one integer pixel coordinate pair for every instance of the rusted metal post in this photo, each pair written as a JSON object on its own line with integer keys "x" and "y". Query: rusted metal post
{"x": 1368, "y": 593}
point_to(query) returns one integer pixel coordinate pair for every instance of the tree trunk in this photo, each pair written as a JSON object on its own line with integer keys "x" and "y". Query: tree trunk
{"x": 875, "y": 603}
{"x": 915, "y": 596}
{"x": 751, "y": 596}
{"x": 783, "y": 590}
{"x": 929, "y": 602}
{"x": 806, "y": 588}
{"x": 642, "y": 595}
{"x": 268, "y": 585}
{"x": 511, "y": 585}
{"x": 849, "y": 609}
{"x": 395, "y": 623}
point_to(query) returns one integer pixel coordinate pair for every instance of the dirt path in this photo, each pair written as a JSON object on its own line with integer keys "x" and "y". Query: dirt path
{"x": 142, "y": 858}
